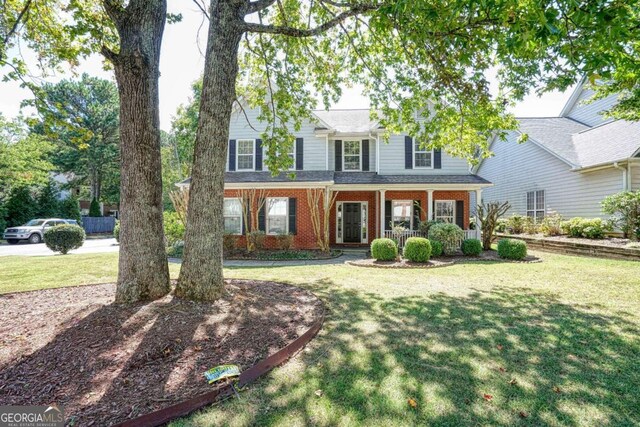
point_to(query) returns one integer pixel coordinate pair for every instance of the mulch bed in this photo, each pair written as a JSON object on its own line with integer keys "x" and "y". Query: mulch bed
{"x": 280, "y": 255}
{"x": 107, "y": 363}
{"x": 440, "y": 261}
{"x": 610, "y": 242}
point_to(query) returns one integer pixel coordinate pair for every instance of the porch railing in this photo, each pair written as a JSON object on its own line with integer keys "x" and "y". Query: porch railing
{"x": 401, "y": 237}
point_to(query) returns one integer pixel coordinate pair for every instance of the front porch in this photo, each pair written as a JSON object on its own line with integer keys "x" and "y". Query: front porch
{"x": 359, "y": 217}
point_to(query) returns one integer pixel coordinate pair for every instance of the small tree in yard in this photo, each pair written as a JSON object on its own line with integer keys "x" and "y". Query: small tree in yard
{"x": 489, "y": 214}
{"x": 70, "y": 208}
{"x": 320, "y": 202}
{"x": 625, "y": 208}
{"x": 94, "y": 208}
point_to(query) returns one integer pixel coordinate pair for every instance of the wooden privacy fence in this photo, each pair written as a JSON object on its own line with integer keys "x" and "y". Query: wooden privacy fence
{"x": 98, "y": 224}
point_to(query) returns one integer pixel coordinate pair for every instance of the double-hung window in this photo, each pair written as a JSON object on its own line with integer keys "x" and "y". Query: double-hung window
{"x": 422, "y": 158}
{"x": 232, "y": 212}
{"x": 277, "y": 214}
{"x": 402, "y": 213}
{"x": 245, "y": 154}
{"x": 351, "y": 155}
{"x": 445, "y": 211}
{"x": 535, "y": 204}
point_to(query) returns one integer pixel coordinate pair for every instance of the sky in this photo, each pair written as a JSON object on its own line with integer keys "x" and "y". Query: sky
{"x": 182, "y": 62}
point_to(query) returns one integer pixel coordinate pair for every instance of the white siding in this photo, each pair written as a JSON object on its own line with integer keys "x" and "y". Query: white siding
{"x": 314, "y": 147}
{"x": 518, "y": 168}
{"x": 635, "y": 177}
{"x": 588, "y": 114}
{"x": 393, "y": 163}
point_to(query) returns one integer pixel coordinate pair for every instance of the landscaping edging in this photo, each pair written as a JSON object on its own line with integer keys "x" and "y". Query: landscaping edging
{"x": 487, "y": 256}
{"x": 249, "y": 375}
{"x": 575, "y": 248}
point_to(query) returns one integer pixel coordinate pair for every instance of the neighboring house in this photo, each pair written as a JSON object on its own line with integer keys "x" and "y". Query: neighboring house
{"x": 569, "y": 163}
{"x": 379, "y": 183}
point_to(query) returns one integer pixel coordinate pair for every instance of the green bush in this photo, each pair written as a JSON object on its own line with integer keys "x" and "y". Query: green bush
{"x": 625, "y": 208}
{"x": 284, "y": 241}
{"x": 530, "y": 226}
{"x": 450, "y": 235}
{"x": 176, "y": 250}
{"x": 384, "y": 249}
{"x": 256, "y": 239}
{"x": 173, "y": 227}
{"x": 70, "y": 208}
{"x": 94, "y": 208}
{"x": 20, "y": 207}
{"x": 417, "y": 249}
{"x": 63, "y": 238}
{"x": 515, "y": 224}
{"x": 512, "y": 249}
{"x": 116, "y": 231}
{"x": 424, "y": 226}
{"x": 229, "y": 242}
{"x": 551, "y": 225}
{"x": 594, "y": 228}
{"x": 501, "y": 225}
{"x": 436, "y": 248}
{"x": 471, "y": 247}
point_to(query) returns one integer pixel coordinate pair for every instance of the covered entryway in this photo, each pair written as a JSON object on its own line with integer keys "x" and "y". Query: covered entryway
{"x": 352, "y": 222}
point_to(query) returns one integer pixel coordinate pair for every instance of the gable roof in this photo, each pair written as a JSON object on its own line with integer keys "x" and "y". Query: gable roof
{"x": 554, "y": 135}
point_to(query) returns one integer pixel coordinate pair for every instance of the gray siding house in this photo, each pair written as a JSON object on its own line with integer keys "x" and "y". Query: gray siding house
{"x": 379, "y": 184}
{"x": 569, "y": 163}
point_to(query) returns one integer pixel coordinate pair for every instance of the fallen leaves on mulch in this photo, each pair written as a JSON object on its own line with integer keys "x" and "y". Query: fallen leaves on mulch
{"x": 106, "y": 363}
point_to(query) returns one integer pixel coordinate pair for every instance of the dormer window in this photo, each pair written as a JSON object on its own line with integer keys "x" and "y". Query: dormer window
{"x": 245, "y": 154}
{"x": 422, "y": 158}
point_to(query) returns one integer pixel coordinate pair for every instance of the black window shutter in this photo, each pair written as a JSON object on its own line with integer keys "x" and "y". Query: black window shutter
{"x": 416, "y": 214}
{"x": 437, "y": 158}
{"x": 460, "y": 213}
{"x": 365, "y": 154}
{"x": 299, "y": 154}
{"x": 388, "y": 215}
{"x": 262, "y": 220}
{"x": 408, "y": 152}
{"x": 338, "y": 155}
{"x": 292, "y": 215}
{"x": 232, "y": 155}
{"x": 258, "y": 154}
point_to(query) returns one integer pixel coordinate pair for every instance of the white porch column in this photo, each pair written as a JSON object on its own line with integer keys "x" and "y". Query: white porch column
{"x": 478, "y": 201}
{"x": 430, "y": 213}
{"x": 382, "y": 213}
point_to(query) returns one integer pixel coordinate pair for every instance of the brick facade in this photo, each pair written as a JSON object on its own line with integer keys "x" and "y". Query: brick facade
{"x": 305, "y": 238}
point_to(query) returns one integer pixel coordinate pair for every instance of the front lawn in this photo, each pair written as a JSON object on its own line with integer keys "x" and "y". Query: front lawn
{"x": 552, "y": 343}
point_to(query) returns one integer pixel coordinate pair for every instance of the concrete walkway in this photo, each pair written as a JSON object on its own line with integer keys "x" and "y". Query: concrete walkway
{"x": 347, "y": 256}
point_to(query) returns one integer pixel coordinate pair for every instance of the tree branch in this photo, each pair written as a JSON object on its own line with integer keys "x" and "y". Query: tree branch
{"x": 257, "y": 6}
{"x": 114, "y": 9}
{"x": 14, "y": 28}
{"x": 301, "y": 32}
{"x": 202, "y": 8}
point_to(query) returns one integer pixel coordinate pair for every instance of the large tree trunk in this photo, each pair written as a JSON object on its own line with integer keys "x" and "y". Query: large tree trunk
{"x": 201, "y": 275}
{"x": 143, "y": 271}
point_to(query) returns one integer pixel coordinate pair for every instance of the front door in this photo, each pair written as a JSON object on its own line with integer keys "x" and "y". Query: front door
{"x": 352, "y": 222}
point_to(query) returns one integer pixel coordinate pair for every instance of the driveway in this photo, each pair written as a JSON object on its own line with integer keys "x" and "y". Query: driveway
{"x": 91, "y": 246}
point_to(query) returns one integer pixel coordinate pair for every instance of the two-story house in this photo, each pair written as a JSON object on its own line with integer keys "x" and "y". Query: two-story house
{"x": 379, "y": 184}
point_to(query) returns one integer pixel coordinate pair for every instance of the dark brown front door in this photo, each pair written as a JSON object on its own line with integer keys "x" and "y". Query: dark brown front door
{"x": 352, "y": 223}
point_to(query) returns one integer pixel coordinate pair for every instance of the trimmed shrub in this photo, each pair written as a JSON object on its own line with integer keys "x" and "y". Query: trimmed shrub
{"x": 515, "y": 224}
{"x": 384, "y": 249}
{"x": 284, "y": 241}
{"x": 436, "y": 248}
{"x": 450, "y": 235}
{"x": 173, "y": 227}
{"x": 512, "y": 249}
{"x": 63, "y": 238}
{"x": 471, "y": 247}
{"x": 551, "y": 225}
{"x": 256, "y": 239}
{"x": 176, "y": 250}
{"x": 417, "y": 249}
{"x": 424, "y": 226}
{"x": 116, "y": 231}
{"x": 94, "y": 208}
{"x": 229, "y": 242}
{"x": 594, "y": 228}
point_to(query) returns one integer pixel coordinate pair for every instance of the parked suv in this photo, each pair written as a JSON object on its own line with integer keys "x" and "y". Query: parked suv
{"x": 33, "y": 231}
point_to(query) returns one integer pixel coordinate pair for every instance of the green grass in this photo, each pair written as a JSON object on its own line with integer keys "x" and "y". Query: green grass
{"x": 21, "y": 273}
{"x": 558, "y": 341}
